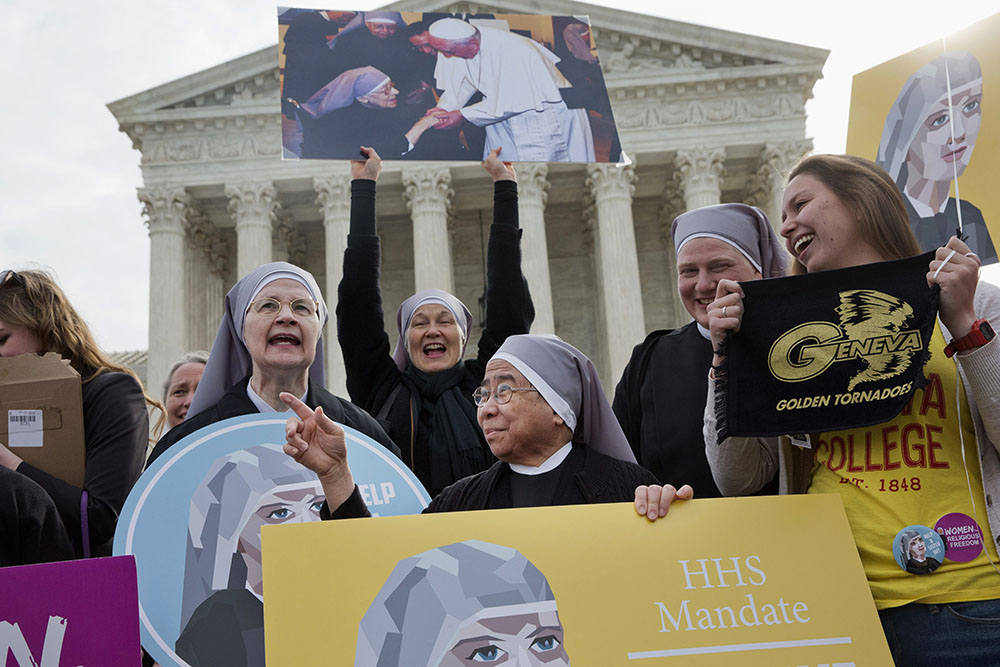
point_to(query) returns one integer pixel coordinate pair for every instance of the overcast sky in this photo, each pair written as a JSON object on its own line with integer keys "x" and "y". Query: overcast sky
{"x": 68, "y": 176}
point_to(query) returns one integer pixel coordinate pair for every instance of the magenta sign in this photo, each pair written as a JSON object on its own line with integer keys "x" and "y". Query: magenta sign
{"x": 83, "y": 613}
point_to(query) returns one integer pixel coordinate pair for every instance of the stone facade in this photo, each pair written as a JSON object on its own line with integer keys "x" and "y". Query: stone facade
{"x": 706, "y": 116}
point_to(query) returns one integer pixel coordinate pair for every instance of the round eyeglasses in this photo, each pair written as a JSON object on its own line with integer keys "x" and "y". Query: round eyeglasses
{"x": 268, "y": 307}
{"x": 502, "y": 394}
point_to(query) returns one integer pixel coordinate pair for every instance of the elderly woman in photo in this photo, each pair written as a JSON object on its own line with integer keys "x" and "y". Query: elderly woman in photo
{"x": 422, "y": 391}
{"x": 222, "y": 610}
{"x": 359, "y": 107}
{"x": 927, "y": 142}
{"x": 270, "y": 341}
{"x": 463, "y": 605}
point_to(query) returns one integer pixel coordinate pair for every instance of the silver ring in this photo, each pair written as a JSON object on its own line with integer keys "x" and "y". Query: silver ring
{"x": 724, "y": 311}
{"x": 971, "y": 254}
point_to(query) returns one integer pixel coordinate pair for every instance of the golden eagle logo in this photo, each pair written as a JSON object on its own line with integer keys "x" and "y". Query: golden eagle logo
{"x": 867, "y": 315}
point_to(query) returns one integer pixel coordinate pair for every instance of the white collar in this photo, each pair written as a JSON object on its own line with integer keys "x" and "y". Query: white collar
{"x": 262, "y": 405}
{"x": 548, "y": 464}
{"x": 923, "y": 210}
{"x": 705, "y": 333}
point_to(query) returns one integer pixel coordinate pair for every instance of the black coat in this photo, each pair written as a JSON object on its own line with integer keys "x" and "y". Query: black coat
{"x": 235, "y": 403}
{"x": 116, "y": 436}
{"x": 660, "y": 404}
{"x": 601, "y": 479}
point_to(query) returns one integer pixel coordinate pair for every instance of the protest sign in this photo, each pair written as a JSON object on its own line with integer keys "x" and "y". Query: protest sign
{"x": 752, "y": 581}
{"x": 193, "y": 523}
{"x": 901, "y": 118}
{"x": 442, "y": 86}
{"x": 80, "y": 612}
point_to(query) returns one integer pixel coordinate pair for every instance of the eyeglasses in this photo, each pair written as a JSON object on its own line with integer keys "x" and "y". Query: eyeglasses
{"x": 269, "y": 307}
{"x": 502, "y": 394}
{"x": 12, "y": 276}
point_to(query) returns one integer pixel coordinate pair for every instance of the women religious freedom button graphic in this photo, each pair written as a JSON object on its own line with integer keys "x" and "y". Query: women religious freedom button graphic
{"x": 193, "y": 523}
{"x": 963, "y": 540}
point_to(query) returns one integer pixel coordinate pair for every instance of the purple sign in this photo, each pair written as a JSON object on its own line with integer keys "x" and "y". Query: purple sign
{"x": 81, "y": 612}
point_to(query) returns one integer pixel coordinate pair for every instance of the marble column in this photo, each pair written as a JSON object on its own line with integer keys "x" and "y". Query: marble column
{"x": 206, "y": 265}
{"x": 766, "y": 185}
{"x": 672, "y": 205}
{"x": 333, "y": 196}
{"x": 533, "y": 187}
{"x": 617, "y": 263}
{"x": 428, "y": 196}
{"x": 699, "y": 171}
{"x": 164, "y": 208}
{"x": 254, "y": 206}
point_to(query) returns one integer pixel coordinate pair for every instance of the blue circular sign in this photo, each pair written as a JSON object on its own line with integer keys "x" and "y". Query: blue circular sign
{"x": 193, "y": 522}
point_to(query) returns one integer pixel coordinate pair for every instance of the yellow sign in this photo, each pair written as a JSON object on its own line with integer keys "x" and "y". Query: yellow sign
{"x": 769, "y": 581}
{"x": 901, "y": 118}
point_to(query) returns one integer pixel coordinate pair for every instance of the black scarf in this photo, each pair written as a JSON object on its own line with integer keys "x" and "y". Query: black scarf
{"x": 827, "y": 351}
{"x": 456, "y": 445}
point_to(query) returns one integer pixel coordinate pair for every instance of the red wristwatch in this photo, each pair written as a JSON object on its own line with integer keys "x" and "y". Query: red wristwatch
{"x": 981, "y": 334}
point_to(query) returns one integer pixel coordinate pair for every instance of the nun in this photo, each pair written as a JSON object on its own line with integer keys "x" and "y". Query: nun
{"x": 545, "y": 417}
{"x": 660, "y": 398}
{"x": 421, "y": 392}
{"x": 270, "y": 341}
{"x": 465, "y": 603}
{"x": 927, "y": 142}
{"x": 359, "y": 107}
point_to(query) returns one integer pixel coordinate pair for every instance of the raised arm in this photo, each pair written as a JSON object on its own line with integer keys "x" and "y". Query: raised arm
{"x": 509, "y": 310}
{"x": 371, "y": 372}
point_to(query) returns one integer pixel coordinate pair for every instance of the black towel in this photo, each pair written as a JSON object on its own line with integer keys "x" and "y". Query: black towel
{"x": 827, "y": 351}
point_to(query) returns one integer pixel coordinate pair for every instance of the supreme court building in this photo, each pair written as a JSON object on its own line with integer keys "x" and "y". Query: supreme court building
{"x": 706, "y": 116}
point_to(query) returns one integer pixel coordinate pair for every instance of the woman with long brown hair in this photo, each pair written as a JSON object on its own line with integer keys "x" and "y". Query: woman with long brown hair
{"x": 937, "y": 467}
{"x": 36, "y": 318}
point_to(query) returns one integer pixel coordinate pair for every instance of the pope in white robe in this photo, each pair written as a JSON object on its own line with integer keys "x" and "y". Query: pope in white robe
{"x": 522, "y": 109}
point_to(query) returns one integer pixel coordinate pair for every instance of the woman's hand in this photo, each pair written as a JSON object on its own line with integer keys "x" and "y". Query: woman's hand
{"x": 499, "y": 171}
{"x": 318, "y": 443}
{"x": 9, "y": 459}
{"x": 958, "y": 279}
{"x": 653, "y": 501}
{"x": 725, "y": 314}
{"x": 418, "y": 129}
{"x": 368, "y": 168}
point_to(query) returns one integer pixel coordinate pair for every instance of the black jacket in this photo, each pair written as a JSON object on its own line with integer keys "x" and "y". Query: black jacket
{"x": 235, "y": 403}
{"x": 602, "y": 480}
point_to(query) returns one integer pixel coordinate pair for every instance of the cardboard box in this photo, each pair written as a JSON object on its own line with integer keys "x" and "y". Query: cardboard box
{"x": 41, "y": 414}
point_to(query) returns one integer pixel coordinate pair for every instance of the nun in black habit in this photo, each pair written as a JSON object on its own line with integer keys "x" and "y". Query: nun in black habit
{"x": 660, "y": 398}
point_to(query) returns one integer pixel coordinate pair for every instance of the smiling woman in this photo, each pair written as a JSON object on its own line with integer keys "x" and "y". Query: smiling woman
{"x": 269, "y": 341}
{"x": 422, "y": 392}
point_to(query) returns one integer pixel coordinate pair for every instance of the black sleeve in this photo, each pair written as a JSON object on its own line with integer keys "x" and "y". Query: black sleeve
{"x": 509, "y": 310}
{"x": 371, "y": 372}
{"x": 30, "y": 528}
{"x": 352, "y": 508}
{"x": 116, "y": 432}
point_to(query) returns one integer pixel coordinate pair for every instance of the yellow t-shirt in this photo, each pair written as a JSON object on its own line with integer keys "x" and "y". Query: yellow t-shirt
{"x": 909, "y": 472}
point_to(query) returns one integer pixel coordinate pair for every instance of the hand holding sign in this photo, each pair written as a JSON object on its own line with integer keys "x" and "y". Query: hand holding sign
{"x": 957, "y": 276}
{"x": 654, "y": 501}
{"x": 318, "y": 443}
{"x": 368, "y": 168}
{"x": 497, "y": 169}
{"x": 725, "y": 314}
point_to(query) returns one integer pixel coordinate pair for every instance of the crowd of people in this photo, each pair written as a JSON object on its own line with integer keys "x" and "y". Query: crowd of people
{"x": 446, "y": 87}
{"x": 525, "y": 423}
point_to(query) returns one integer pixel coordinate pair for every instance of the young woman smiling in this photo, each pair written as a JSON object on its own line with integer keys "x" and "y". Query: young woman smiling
{"x": 842, "y": 211}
